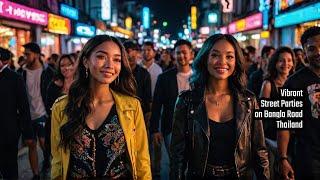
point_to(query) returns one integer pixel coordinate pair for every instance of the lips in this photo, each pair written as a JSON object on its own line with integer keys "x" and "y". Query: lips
{"x": 107, "y": 73}
{"x": 221, "y": 69}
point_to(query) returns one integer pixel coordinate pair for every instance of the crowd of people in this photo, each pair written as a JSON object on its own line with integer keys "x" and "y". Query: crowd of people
{"x": 106, "y": 111}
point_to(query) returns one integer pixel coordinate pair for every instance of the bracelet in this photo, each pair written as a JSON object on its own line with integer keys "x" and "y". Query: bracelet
{"x": 283, "y": 158}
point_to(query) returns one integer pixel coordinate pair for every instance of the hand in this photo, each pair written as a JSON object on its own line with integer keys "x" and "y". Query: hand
{"x": 157, "y": 137}
{"x": 286, "y": 170}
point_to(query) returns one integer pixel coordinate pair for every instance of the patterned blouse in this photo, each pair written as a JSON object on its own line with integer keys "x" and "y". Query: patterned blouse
{"x": 100, "y": 153}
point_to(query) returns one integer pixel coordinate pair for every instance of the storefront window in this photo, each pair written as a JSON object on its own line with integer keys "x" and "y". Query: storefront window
{"x": 50, "y": 44}
{"x": 301, "y": 28}
{"x": 13, "y": 39}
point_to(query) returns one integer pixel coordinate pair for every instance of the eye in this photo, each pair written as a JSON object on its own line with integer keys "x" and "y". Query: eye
{"x": 311, "y": 48}
{"x": 229, "y": 57}
{"x": 214, "y": 55}
{"x": 100, "y": 57}
{"x": 117, "y": 60}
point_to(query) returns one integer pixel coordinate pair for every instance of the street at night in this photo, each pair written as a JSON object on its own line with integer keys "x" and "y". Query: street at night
{"x": 160, "y": 89}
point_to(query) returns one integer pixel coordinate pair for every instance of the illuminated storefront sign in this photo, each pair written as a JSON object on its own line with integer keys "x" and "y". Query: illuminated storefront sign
{"x": 212, "y": 17}
{"x": 106, "y": 9}
{"x": 248, "y": 23}
{"x": 69, "y": 11}
{"x": 146, "y": 17}
{"x": 308, "y": 13}
{"x": 265, "y": 34}
{"x": 224, "y": 30}
{"x": 193, "y": 17}
{"x": 128, "y": 23}
{"x": 85, "y": 30}
{"x": 122, "y": 31}
{"x": 58, "y": 24}
{"x": 19, "y": 12}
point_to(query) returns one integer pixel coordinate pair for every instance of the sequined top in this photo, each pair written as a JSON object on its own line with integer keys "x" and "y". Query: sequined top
{"x": 101, "y": 152}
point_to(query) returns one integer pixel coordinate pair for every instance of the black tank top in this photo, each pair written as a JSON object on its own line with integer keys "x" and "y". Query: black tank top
{"x": 222, "y": 142}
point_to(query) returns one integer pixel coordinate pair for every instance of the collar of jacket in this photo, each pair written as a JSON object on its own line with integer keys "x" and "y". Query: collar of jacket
{"x": 121, "y": 103}
{"x": 242, "y": 108}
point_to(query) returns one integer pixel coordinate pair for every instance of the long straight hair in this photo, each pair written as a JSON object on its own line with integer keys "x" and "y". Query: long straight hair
{"x": 80, "y": 95}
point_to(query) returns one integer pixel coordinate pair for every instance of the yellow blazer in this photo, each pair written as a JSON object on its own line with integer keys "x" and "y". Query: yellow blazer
{"x": 132, "y": 123}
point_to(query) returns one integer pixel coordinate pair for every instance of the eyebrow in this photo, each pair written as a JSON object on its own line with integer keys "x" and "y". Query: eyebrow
{"x": 118, "y": 55}
{"x": 214, "y": 50}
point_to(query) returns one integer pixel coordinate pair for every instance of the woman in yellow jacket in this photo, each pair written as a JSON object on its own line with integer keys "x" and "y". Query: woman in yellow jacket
{"x": 98, "y": 130}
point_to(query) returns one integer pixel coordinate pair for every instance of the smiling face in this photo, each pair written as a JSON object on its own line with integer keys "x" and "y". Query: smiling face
{"x": 148, "y": 53}
{"x": 68, "y": 67}
{"x": 183, "y": 55}
{"x": 104, "y": 63}
{"x": 285, "y": 63}
{"x": 312, "y": 49}
{"x": 221, "y": 60}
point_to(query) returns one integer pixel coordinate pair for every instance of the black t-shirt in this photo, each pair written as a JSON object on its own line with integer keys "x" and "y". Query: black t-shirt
{"x": 308, "y": 138}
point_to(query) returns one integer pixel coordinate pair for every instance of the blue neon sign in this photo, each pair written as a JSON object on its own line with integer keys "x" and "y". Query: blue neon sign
{"x": 302, "y": 15}
{"x": 69, "y": 11}
{"x": 85, "y": 30}
{"x": 146, "y": 17}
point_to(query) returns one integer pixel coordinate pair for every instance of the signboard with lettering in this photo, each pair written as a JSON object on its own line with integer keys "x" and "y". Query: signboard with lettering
{"x": 193, "y": 17}
{"x": 82, "y": 29}
{"x": 69, "y": 11}
{"x": 23, "y": 13}
{"x": 58, "y": 24}
{"x": 248, "y": 23}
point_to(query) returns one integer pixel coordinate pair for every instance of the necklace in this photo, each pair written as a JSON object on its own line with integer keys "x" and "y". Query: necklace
{"x": 216, "y": 101}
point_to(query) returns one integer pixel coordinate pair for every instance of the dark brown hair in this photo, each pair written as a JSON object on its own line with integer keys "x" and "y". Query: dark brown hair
{"x": 201, "y": 75}
{"x": 80, "y": 94}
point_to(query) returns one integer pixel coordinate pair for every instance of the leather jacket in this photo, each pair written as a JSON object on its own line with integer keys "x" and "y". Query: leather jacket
{"x": 191, "y": 137}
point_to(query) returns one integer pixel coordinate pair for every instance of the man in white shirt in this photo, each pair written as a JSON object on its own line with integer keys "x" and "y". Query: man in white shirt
{"x": 148, "y": 63}
{"x": 37, "y": 77}
{"x": 148, "y": 53}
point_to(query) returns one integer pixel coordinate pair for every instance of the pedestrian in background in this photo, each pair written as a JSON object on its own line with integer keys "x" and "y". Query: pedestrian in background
{"x": 15, "y": 117}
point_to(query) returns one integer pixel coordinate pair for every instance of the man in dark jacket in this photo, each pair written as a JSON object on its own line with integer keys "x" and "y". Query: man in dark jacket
{"x": 14, "y": 119}
{"x": 168, "y": 86}
{"x": 37, "y": 77}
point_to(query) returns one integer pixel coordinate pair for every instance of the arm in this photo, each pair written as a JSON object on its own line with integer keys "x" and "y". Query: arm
{"x": 142, "y": 150}
{"x": 178, "y": 144}
{"x": 283, "y": 138}
{"x": 265, "y": 89}
{"x": 56, "y": 151}
{"x": 24, "y": 109}
{"x": 259, "y": 149}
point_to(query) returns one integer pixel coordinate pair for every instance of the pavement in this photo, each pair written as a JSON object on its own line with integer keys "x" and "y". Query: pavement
{"x": 24, "y": 169}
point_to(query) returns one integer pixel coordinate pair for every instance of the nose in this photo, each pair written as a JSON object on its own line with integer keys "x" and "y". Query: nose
{"x": 222, "y": 59}
{"x": 108, "y": 63}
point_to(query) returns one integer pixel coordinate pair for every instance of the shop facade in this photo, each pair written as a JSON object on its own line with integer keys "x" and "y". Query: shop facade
{"x": 248, "y": 31}
{"x": 291, "y": 24}
{"x": 52, "y": 37}
{"x": 19, "y": 24}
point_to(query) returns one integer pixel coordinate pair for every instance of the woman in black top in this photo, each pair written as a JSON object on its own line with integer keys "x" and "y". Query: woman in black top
{"x": 214, "y": 135}
{"x": 66, "y": 68}
{"x": 67, "y": 65}
{"x": 281, "y": 65}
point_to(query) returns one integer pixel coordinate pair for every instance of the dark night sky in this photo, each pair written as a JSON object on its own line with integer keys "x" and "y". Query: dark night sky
{"x": 175, "y": 12}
